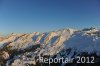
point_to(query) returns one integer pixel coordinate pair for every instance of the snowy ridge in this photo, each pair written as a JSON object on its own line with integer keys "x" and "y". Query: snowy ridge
{"x": 22, "y": 49}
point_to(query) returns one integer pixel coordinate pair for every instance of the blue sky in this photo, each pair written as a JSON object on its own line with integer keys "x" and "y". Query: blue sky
{"x": 25, "y": 16}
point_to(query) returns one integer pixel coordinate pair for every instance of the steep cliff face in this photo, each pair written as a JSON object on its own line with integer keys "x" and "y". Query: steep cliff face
{"x": 25, "y": 49}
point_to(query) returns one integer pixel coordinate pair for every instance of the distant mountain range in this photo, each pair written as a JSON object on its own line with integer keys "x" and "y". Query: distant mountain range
{"x": 26, "y": 49}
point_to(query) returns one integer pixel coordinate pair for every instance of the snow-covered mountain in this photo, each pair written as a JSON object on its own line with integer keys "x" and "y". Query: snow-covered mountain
{"x": 25, "y": 49}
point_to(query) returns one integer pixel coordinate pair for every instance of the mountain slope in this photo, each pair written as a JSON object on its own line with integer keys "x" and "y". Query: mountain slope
{"x": 25, "y": 49}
